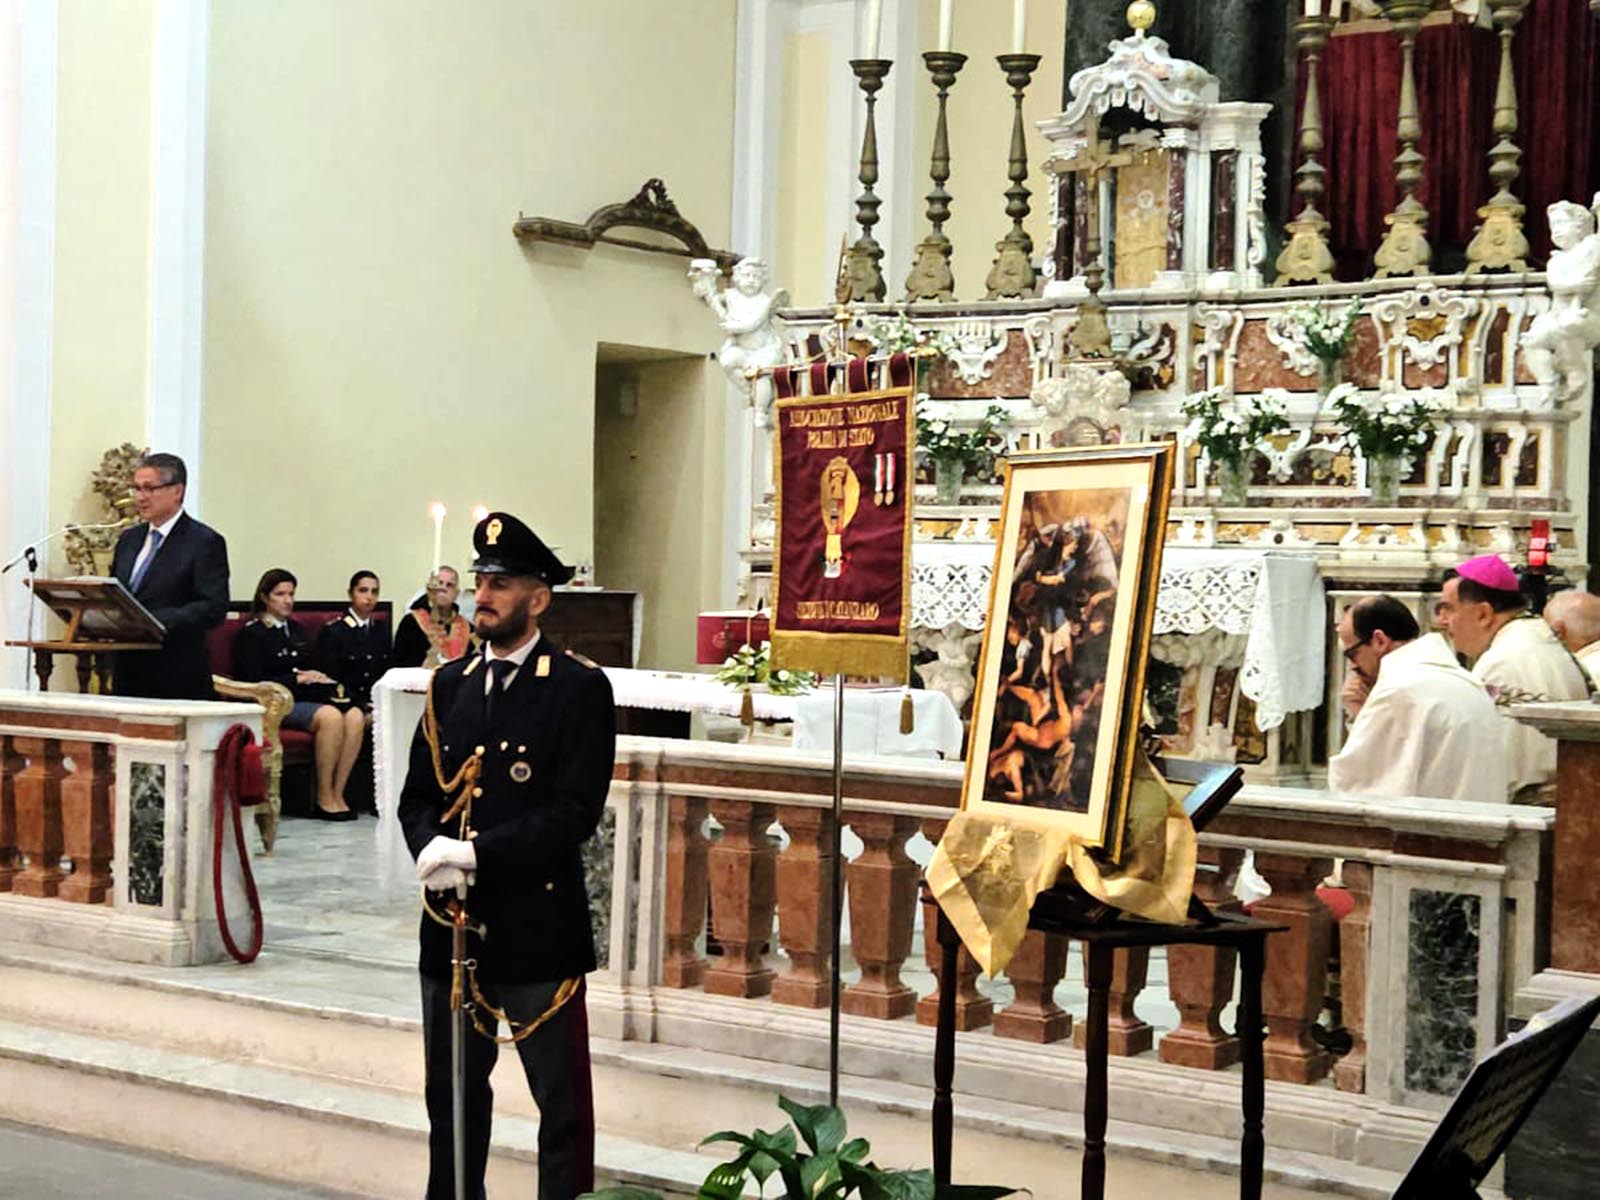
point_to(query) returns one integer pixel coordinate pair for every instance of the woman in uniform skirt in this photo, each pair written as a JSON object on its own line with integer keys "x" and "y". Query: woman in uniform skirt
{"x": 271, "y": 648}
{"x": 354, "y": 649}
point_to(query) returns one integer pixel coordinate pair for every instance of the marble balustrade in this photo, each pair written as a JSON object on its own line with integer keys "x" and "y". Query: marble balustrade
{"x": 106, "y": 821}
{"x": 731, "y": 847}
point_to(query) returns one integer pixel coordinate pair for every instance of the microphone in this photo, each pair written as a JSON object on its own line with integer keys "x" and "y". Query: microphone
{"x": 28, "y": 551}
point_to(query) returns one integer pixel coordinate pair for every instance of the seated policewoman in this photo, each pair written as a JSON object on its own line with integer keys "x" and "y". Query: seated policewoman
{"x": 272, "y": 648}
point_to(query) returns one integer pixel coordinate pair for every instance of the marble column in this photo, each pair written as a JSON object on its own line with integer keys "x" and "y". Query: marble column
{"x": 743, "y": 877}
{"x": 1350, "y": 1072}
{"x": 1126, "y": 1034}
{"x": 1224, "y": 183}
{"x": 805, "y": 896}
{"x": 1297, "y": 965}
{"x": 1034, "y": 971}
{"x": 1066, "y": 224}
{"x": 974, "y": 1010}
{"x": 10, "y": 765}
{"x": 883, "y": 898}
{"x": 86, "y": 830}
{"x": 1177, "y": 205}
{"x": 686, "y": 893}
{"x": 38, "y": 807}
{"x": 1575, "y": 887}
{"x": 1200, "y": 978}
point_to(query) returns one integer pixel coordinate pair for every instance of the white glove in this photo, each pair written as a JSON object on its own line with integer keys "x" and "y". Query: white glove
{"x": 445, "y": 879}
{"x": 446, "y": 851}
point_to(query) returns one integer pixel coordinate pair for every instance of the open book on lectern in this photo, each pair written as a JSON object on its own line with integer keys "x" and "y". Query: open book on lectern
{"x": 98, "y": 608}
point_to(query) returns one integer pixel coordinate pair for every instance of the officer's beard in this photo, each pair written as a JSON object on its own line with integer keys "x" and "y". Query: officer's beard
{"x": 510, "y": 631}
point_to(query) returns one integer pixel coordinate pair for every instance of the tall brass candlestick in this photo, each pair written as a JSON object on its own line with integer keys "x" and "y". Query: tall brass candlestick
{"x": 1012, "y": 276}
{"x": 865, "y": 272}
{"x": 1405, "y": 247}
{"x": 1306, "y": 258}
{"x": 1500, "y": 244}
{"x": 931, "y": 277}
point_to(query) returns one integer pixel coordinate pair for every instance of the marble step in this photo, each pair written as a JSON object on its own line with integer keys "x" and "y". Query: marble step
{"x": 280, "y": 1125}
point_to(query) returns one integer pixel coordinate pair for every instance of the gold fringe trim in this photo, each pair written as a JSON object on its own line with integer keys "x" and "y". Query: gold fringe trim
{"x": 864, "y": 656}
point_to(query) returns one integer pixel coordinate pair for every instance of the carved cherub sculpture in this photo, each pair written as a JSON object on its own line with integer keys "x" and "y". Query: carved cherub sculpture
{"x": 1560, "y": 343}
{"x": 745, "y": 312}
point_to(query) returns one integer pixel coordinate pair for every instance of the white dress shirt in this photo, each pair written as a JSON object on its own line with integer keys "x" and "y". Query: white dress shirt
{"x": 518, "y": 656}
{"x": 165, "y": 530}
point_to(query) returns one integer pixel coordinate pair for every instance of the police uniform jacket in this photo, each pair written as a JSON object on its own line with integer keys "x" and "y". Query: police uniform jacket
{"x": 547, "y": 758}
{"x": 356, "y": 655}
{"x": 272, "y": 654}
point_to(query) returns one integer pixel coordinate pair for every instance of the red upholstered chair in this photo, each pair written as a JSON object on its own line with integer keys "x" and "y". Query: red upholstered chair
{"x": 284, "y": 747}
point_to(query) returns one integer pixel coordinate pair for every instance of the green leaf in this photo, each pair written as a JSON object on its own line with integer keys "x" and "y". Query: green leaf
{"x": 725, "y": 1182}
{"x": 855, "y": 1150}
{"x": 727, "y": 1135}
{"x": 874, "y": 1183}
{"x": 821, "y": 1125}
{"x": 817, "y": 1172}
{"x": 621, "y": 1193}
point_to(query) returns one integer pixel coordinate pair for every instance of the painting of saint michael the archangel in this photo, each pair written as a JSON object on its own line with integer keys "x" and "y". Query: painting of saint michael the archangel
{"x": 1061, "y": 679}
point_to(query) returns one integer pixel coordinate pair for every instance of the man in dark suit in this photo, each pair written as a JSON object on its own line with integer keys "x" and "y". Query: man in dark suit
{"x": 178, "y": 569}
{"x": 524, "y": 734}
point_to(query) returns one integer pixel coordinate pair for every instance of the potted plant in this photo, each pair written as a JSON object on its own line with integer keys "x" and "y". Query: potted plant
{"x": 1227, "y": 429}
{"x": 830, "y": 1168}
{"x": 1387, "y": 428}
{"x": 957, "y": 452}
{"x": 1327, "y": 337}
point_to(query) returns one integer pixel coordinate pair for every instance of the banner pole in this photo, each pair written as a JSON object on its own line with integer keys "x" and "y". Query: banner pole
{"x": 838, "y": 887}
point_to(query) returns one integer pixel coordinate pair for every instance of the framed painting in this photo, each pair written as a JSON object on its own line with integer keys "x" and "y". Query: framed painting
{"x": 1060, "y": 684}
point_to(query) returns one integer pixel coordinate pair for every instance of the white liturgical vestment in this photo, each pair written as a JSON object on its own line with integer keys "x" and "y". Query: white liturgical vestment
{"x": 1589, "y": 660}
{"x": 1527, "y": 661}
{"x": 1428, "y": 728}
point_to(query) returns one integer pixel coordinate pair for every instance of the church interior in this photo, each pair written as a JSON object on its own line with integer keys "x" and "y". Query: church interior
{"x": 1174, "y": 772}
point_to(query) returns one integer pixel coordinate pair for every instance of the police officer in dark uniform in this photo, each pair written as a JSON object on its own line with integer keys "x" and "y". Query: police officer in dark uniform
{"x": 526, "y": 731}
{"x": 354, "y": 648}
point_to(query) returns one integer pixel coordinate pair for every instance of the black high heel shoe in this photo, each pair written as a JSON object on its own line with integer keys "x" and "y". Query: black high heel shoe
{"x": 322, "y": 814}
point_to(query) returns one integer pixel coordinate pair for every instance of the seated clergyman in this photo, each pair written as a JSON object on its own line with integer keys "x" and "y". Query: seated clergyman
{"x": 1422, "y": 725}
{"x": 1574, "y": 617}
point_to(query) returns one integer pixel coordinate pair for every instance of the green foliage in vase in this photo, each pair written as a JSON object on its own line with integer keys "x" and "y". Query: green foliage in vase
{"x": 753, "y": 664}
{"x": 1227, "y": 428}
{"x": 1394, "y": 424}
{"x": 974, "y": 448}
{"x": 1326, "y": 336}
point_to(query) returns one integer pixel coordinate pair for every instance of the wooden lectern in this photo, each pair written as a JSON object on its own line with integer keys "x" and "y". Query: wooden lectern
{"x": 102, "y": 618}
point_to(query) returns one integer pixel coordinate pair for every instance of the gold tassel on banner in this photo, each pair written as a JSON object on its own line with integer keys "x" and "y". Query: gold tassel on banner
{"x": 747, "y": 709}
{"x": 908, "y": 714}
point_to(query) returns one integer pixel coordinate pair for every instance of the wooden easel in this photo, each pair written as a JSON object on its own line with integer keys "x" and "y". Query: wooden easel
{"x": 1071, "y": 912}
{"x": 102, "y": 619}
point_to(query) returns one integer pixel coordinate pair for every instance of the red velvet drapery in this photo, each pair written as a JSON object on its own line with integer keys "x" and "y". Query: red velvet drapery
{"x": 1557, "y": 58}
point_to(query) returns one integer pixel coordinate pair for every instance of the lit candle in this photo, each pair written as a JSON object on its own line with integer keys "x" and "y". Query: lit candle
{"x": 479, "y": 512}
{"x": 946, "y": 13}
{"x": 1019, "y": 26}
{"x": 1313, "y": 8}
{"x": 874, "y": 26}
{"x": 437, "y": 512}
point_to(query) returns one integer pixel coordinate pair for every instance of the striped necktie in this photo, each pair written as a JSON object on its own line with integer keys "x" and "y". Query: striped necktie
{"x": 143, "y": 569}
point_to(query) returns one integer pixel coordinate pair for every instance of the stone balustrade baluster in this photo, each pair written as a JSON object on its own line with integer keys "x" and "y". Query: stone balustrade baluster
{"x": 1034, "y": 971}
{"x": 1126, "y": 1034}
{"x": 882, "y": 884}
{"x": 1200, "y": 978}
{"x": 86, "y": 830}
{"x": 1297, "y": 965}
{"x": 805, "y": 899}
{"x": 1350, "y": 1072}
{"x": 686, "y": 893}
{"x": 10, "y": 766}
{"x": 38, "y": 807}
{"x": 974, "y": 1010}
{"x": 743, "y": 880}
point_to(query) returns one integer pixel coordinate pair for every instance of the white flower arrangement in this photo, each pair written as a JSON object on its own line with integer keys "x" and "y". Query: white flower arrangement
{"x": 1327, "y": 336}
{"x": 1228, "y": 428}
{"x": 1394, "y": 424}
{"x": 897, "y": 334}
{"x": 753, "y": 664}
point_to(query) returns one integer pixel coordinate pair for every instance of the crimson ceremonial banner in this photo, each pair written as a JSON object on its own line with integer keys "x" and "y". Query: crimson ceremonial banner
{"x": 842, "y": 566}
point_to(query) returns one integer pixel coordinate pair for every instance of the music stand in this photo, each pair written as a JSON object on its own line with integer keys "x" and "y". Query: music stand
{"x": 102, "y": 618}
{"x": 1068, "y": 910}
{"x": 1494, "y": 1102}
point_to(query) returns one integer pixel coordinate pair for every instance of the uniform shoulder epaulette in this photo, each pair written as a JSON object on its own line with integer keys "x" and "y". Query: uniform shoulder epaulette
{"x": 582, "y": 660}
{"x": 350, "y": 621}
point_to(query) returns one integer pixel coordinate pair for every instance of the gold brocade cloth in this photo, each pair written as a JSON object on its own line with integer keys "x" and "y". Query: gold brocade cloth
{"x": 985, "y": 873}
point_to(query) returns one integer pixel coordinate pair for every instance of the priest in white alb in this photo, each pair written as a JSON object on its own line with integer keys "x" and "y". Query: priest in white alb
{"x": 1518, "y": 658}
{"x": 1575, "y": 618}
{"x": 1422, "y": 725}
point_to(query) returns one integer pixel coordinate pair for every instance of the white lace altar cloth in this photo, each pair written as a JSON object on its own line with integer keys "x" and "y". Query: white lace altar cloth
{"x": 399, "y": 698}
{"x": 1272, "y": 597}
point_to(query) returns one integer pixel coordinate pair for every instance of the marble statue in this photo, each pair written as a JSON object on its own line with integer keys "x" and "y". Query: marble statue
{"x": 746, "y": 313}
{"x": 1560, "y": 343}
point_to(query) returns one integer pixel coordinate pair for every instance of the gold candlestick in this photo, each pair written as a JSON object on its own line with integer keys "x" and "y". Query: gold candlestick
{"x": 866, "y": 275}
{"x": 1405, "y": 247}
{"x": 1500, "y": 244}
{"x": 1306, "y": 258}
{"x": 1012, "y": 276}
{"x": 931, "y": 277}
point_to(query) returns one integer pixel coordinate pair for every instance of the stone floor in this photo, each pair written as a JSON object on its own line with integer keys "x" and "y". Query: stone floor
{"x": 37, "y": 1165}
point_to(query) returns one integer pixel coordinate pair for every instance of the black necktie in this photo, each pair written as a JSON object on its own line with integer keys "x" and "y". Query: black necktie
{"x": 499, "y": 670}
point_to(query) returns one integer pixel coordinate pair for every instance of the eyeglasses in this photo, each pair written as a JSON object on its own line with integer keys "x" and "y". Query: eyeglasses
{"x": 145, "y": 489}
{"x": 1350, "y": 650}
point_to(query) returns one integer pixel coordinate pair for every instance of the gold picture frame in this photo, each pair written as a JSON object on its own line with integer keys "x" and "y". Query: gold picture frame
{"x": 1060, "y": 682}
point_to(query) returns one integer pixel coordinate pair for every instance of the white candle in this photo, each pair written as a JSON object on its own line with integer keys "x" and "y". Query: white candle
{"x": 479, "y": 512}
{"x": 946, "y": 13}
{"x": 874, "y": 26}
{"x": 1019, "y": 26}
{"x": 1313, "y": 8}
{"x": 437, "y": 512}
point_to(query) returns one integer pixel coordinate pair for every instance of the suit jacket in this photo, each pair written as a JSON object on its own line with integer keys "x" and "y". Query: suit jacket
{"x": 356, "y": 656}
{"x": 547, "y": 759}
{"x": 186, "y": 589}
